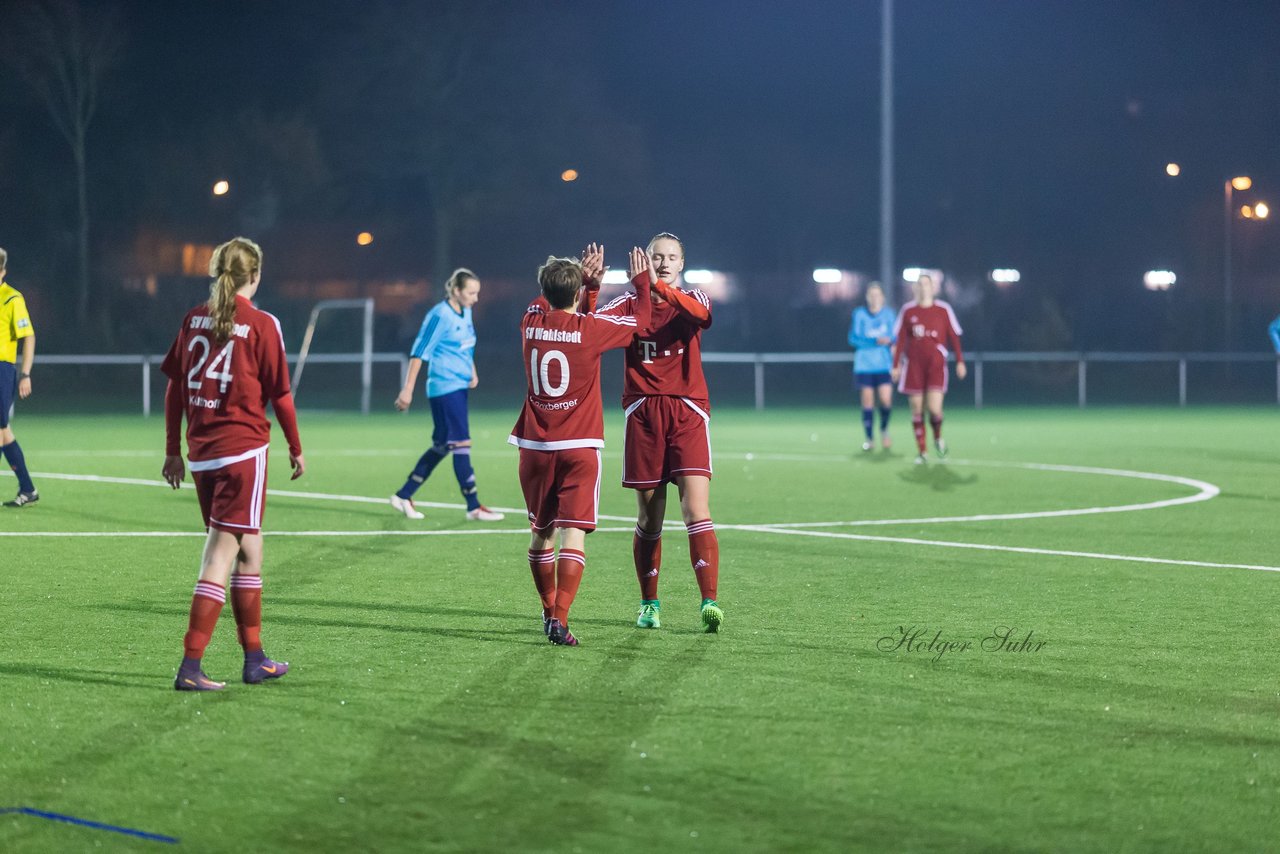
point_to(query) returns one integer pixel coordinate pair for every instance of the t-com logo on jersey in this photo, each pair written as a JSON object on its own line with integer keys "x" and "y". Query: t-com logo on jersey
{"x": 649, "y": 349}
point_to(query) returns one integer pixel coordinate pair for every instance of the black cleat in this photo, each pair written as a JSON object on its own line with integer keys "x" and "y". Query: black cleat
{"x": 23, "y": 499}
{"x": 560, "y": 635}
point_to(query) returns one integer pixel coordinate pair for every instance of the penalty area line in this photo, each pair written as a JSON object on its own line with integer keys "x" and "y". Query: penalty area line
{"x": 948, "y": 544}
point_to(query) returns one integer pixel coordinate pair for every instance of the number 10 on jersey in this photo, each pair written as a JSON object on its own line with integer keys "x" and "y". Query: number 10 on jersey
{"x": 539, "y": 369}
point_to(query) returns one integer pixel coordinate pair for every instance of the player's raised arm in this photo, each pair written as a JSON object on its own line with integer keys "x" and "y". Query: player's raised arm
{"x": 593, "y": 270}
{"x": 640, "y": 268}
{"x": 694, "y": 306}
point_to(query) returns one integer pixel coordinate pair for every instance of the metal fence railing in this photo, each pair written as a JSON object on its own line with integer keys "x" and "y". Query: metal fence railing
{"x": 978, "y": 360}
{"x": 1068, "y": 369}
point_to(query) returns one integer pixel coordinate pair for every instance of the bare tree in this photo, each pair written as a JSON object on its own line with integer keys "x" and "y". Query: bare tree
{"x": 63, "y": 50}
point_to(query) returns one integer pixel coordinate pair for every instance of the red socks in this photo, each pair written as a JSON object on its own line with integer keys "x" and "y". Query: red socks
{"x": 936, "y": 423}
{"x": 568, "y": 575}
{"x": 704, "y": 554}
{"x": 246, "y": 604}
{"x": 543, "y": 566}
{"x": 206, "y": 605}
{"x": 917, "y": 425}
{"x": 646, "y": 548}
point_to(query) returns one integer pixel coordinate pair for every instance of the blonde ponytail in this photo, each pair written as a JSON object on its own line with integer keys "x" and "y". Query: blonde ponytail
{"x": 233, "y": 266}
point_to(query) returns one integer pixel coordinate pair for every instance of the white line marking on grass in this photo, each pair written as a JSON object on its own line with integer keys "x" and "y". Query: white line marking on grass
{"x": 123, "y": 454}
{"x": 1204, "y": 491}
{"x": 773, "y": 529}
{"x": 286, "y": 493}
{"x": 201, "y": 534}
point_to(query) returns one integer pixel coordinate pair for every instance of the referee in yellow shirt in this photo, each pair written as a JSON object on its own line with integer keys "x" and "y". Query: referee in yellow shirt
{"x": 15, "y": 326}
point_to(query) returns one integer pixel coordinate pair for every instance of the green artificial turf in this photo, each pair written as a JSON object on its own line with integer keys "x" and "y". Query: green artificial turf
{"x": 426, "y": 712}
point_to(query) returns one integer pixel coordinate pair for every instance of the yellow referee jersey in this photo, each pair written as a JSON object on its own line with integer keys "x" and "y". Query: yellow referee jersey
{"x": 15, "y": 323}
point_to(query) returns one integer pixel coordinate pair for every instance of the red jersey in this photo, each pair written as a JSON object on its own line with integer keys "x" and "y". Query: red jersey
{"x": 224, "y": 388}
{"x": 923, "y": 329}
{"x": 562, "y": 369}
{"x": 668, "y": 359}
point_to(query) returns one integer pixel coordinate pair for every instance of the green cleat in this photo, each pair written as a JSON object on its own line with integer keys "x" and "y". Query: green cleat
{"x": 649, "y": 615}
{"x": 712, "y": 616}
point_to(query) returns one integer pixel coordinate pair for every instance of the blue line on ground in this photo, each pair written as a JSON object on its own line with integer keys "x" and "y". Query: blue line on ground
{"x": 95, "y": 825}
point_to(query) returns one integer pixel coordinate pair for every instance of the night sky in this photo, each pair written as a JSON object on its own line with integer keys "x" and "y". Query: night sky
{"x": 1030, "y": 135}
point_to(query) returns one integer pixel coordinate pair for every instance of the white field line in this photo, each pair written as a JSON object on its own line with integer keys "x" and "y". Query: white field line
{"x": 1204, "y": 491}
{"x": 507, "y": 451}
{"x": 202, "y": 535}
{"x": 947, "y": 544}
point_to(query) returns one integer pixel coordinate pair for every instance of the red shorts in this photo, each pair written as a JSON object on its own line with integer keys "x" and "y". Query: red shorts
{"x": 561, "y": 488}
{"x": 663, "y": 438}
{"x": 232, "y": 495}
{"x": 925, "y": 373}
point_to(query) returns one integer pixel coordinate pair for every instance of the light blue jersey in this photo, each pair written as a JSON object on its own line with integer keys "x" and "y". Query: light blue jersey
{"x": 872, "y": 358}
{"x": 1274, "y": 331}
{"x": 447, "y": 342}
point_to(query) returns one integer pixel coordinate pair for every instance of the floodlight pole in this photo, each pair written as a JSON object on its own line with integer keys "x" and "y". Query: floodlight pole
{"x": 887, "y": 279}
{"x": 1226, "y": 266}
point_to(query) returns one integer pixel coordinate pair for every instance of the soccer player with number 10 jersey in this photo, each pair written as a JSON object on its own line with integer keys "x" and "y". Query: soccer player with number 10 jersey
{"x": 561, "y": 427}
{"x": 225, "y": 366}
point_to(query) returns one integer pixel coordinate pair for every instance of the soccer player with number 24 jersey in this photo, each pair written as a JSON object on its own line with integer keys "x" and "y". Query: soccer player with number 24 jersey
{"x": 561, "y": 427}
{"x": 225, "y": 366}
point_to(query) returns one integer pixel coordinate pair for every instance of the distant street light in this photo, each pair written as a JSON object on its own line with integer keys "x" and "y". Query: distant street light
{"x": 221, "y": 188}
{"x": 1261, "y": 210}
{"x": 1242, "y": 182}
{"x": 1006, "y": 276}
{"x": 569, "y": 175}
{"x": 1158, "y": 280}
{"x": 1173, "y": 170}
{"x": 364, "y": 238}
{"x": 823, "y": 275}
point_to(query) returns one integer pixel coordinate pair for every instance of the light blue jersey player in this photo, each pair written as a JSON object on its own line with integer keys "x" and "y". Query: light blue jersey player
{"x": 871, "y": 333}
{"x": 1274, "y": 331}
{"x": 447, "y": 343}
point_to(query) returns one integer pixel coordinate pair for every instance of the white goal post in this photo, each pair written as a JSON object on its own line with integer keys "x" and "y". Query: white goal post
{"x": 366, "y": 350}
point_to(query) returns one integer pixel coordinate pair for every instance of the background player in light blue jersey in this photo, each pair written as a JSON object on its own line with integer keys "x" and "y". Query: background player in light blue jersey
{"x": 871, "y": 333}
{"x": 1274, "y": 331}
{"x": 447, "y": 343}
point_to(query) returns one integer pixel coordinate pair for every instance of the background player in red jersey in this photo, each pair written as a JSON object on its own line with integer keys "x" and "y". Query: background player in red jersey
{"x": 667, "y": 438}
{"x": 926, "y": 326}
{"x": 226, "y": 364}
{"x": 561, "y": 427}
